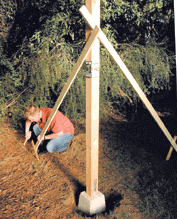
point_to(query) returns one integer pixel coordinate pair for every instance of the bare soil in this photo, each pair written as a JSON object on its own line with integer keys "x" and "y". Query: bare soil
{"x": 50, "y": 187}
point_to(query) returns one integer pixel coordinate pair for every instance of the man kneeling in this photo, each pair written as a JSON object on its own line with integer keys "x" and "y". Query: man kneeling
{"x": 59, "y": 133}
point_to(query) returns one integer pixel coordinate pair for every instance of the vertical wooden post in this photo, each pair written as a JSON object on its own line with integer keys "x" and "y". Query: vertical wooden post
{"x": 92, "y": 104}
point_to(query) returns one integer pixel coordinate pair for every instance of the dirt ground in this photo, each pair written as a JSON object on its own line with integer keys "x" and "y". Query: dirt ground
{"x": 50, "y": 187}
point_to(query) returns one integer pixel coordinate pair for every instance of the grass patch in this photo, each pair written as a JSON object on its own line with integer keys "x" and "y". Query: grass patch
{"x": 35, "y": 167}
{"x": 154, "y": 179}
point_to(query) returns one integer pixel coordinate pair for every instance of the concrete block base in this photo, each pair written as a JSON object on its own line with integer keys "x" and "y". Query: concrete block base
{"x": 92, "y": 205}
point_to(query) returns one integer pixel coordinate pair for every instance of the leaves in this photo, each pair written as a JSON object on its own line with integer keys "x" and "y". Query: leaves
{"x": 47, "y": 37}
{"x": 150, "y": 66}
{"x": 135, "y": 20}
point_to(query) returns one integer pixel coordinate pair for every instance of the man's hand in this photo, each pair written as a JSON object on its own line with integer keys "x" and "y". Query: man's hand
{"x": 51, "y": 136}
{"x": 39, "y": 138}
{"x": 27, "y": 136}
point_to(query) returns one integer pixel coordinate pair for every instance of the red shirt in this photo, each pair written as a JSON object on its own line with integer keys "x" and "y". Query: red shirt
{"x": 59, "y": 122}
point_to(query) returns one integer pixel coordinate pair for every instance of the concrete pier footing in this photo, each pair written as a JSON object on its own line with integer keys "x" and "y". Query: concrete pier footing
{"x": 92, "y": 205}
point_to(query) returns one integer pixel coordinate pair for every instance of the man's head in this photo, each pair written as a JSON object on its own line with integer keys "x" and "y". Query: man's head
{"x": 32, "y": 113}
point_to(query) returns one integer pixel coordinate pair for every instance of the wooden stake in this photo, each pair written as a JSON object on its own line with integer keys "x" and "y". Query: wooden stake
{"x": 35, "y": 149}
{"x": 26, "y": 139}
{"x": 68, "y": 84}
{"x": 103, "y": 39}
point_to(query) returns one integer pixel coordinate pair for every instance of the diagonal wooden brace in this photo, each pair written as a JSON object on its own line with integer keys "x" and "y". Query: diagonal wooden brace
{"x": 170, "y": 150}
{"x": 103, "y": 39}
{"x": 35, "y": 149}
{"x": 68, "y": 84}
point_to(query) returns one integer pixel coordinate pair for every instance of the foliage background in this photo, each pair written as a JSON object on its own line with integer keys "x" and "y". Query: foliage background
{"x": 42, "y": 41}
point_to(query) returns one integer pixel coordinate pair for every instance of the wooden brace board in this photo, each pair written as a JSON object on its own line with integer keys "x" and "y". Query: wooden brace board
{"x": 69, "y": 82}
{"x": 103, "y": 39}
{"x": 170, "y": 150}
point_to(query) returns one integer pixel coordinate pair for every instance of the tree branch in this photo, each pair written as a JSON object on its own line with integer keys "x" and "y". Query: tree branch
{"x": 14, "y": 100}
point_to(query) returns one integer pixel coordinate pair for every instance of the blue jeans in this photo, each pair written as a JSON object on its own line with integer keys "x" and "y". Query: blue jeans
{"x": 58, "y": 144}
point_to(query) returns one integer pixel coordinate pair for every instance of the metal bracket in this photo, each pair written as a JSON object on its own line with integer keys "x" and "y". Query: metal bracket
{"x": 92, "y": 69}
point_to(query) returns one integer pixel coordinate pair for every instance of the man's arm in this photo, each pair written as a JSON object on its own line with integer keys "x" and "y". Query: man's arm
{"x": 51, "y": 136}
{"x": 27, "y": 127}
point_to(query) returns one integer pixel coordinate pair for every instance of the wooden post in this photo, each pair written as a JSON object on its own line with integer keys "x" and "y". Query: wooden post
{"x": 92, "y": 201}
{"x": 92, "y": 104}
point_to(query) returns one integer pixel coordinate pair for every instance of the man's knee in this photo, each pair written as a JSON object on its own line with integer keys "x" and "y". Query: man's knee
{"x": 50, "y": 148}
{"x": 55, "y": 148}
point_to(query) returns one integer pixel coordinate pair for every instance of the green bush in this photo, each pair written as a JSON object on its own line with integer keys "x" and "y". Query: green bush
{"x": 150, "y": 66}
{"x": 43, "y": 73}
{"x": 43, "y": 54}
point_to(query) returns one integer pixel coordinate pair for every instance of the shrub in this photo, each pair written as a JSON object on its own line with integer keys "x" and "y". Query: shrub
{"x": 44, "y": 73}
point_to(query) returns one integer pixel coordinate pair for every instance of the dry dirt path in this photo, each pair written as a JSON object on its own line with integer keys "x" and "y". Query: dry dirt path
{"x": 50, "y": 188}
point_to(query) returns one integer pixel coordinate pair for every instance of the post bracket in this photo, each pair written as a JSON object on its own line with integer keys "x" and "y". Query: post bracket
{"x": 93, "y": 69}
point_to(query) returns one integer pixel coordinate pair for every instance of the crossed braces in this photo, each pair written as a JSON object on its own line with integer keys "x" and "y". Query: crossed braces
{"x": 97, "y": 33}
